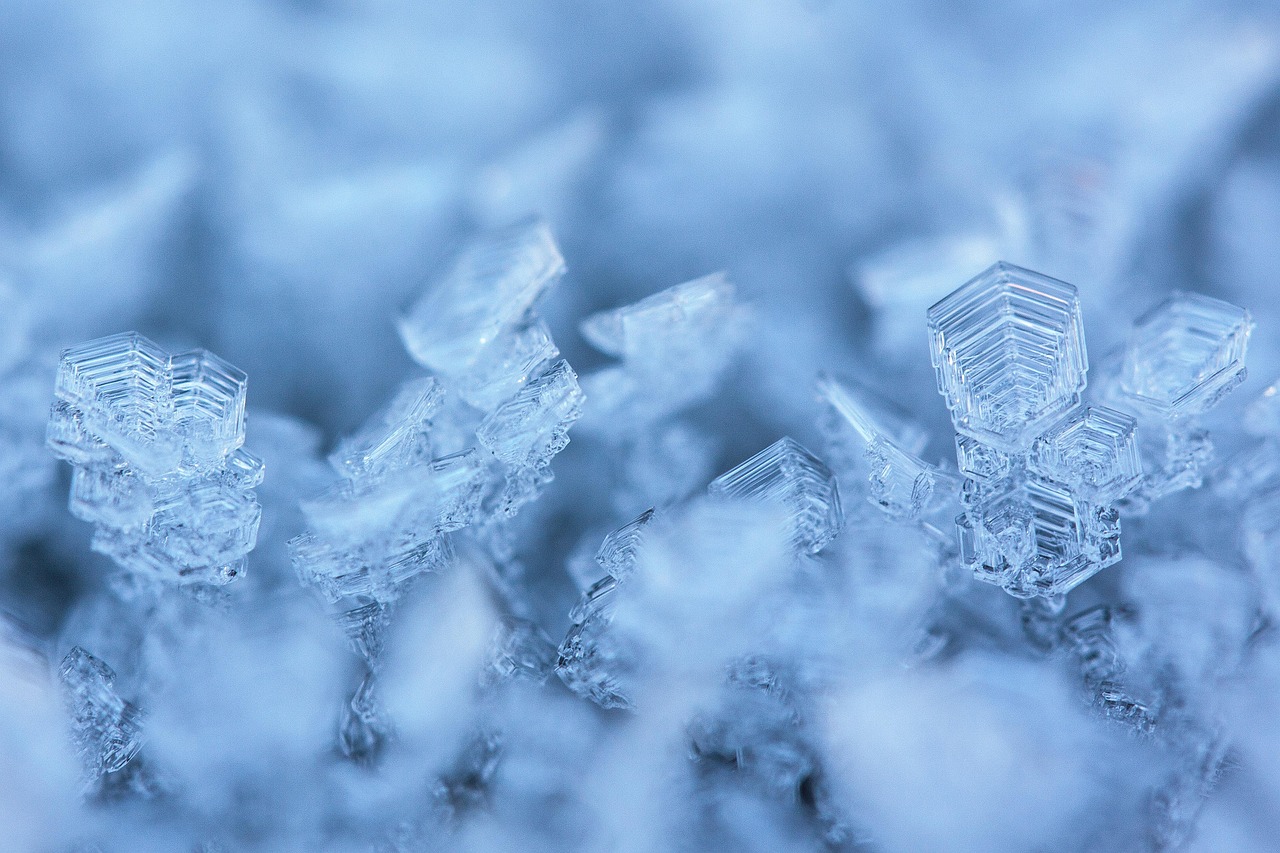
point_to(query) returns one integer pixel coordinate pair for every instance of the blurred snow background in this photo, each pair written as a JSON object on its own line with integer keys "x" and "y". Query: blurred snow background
{"x": 277, "y": 180}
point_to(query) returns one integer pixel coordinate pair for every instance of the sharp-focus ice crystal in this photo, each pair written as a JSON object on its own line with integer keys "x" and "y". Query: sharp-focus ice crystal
{"x": 1033, "y": 538}
{"x": 1041, "y": 472}
{"x": 156, "y": 441}
{"x": 483, "y": 300}
{"x": 1093, "y": 452}
{"x": 789, "y": 475}
{"x": 870, "y": 439}
{"x": 106, "y": 729}
{"x": 1184, "y": 355}
{"x": 1009, "y": 351}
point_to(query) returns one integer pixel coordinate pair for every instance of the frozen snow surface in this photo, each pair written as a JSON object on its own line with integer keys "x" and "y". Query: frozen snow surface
{"x": 792, "y": 426}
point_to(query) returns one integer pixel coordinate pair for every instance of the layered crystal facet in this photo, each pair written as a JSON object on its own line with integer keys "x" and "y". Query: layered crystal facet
{"x": 1185, "y": 354}
{"x": 1009, "y": 351}
{"x": 788, "y": 474}
{"x": 156, "y": 441}
{"x": 1041, "y": 473}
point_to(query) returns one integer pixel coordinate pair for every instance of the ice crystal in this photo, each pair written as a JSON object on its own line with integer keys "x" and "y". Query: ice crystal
{"x": 675, "y": 347}
{"x": 156, "y": 441}
{"x": 482, "y": 302}
{"x": 107, "y": 729}
{"x": 859, "y": 423}
{"x": 1008, "y": 347}
{"x": 1094, "y": 452}
{"x": 787, "y": 474}
{"x": 1184, "y": 355}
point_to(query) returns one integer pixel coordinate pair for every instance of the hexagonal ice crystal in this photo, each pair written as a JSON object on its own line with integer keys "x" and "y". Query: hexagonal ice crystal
{"x": 1184, "y": 355}
{"x": 1034, "y": 539}
{"x": 1093, "y": 451}
{"x": 156, "y": 441}
{"x": 1008, "y": 348}
{"x": 787, "y": 473}
{"x": 121, "y": 388}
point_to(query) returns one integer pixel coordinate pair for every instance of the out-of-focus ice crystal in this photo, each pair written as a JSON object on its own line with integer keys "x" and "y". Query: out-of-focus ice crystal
{"x": 1182, "y": 358}
{"x": 156, "y": 441}
{"x": 675, "y": 347}
{"x": 1088, "y": 636}
{"x": 1009, "y": 350}
{"x": 106, "y": 729}
{"x": 483, "y": 301}
{"x": 868, "y": 438}
{"x": 789, "y": 475}
{"x": 1184, "y": 355}
{"x": 593, "y": 661}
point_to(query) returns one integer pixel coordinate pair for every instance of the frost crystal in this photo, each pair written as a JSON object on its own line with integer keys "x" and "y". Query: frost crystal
{"x": 1008, "y": 347}
{"x": 675, "y": 347}
{"x": 107, "y": 730}
{"x": 592, "y": 661}
{"x": 159, "y": 467}
{"x": 472, "y": 317}
{"x": 1094, "y": 452}
{"x": 454, "y": 454}
{"x": 1184, "y": 355}
{"x": 871, "y": 440}
{"x": 787, "y": 474}
{"x": 1009, "y": 352}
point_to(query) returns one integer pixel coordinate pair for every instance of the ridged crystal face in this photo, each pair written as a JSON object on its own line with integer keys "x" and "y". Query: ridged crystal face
{"x": 1035, "y": 539}
{"x": 1009, "y": 351}
{"x": 1185, "y": 354}
{"x": 788, "y": 474}
{"x": 533, "y": 426}
{"x": 124, "y": 385}
{"x": 156, "y": 441}
{"x": 1094, "y": 451}
{"x": 208, "y": 400}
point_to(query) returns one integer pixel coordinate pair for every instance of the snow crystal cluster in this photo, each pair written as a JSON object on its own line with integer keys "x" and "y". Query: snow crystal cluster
{"x": 679, "y": 426}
